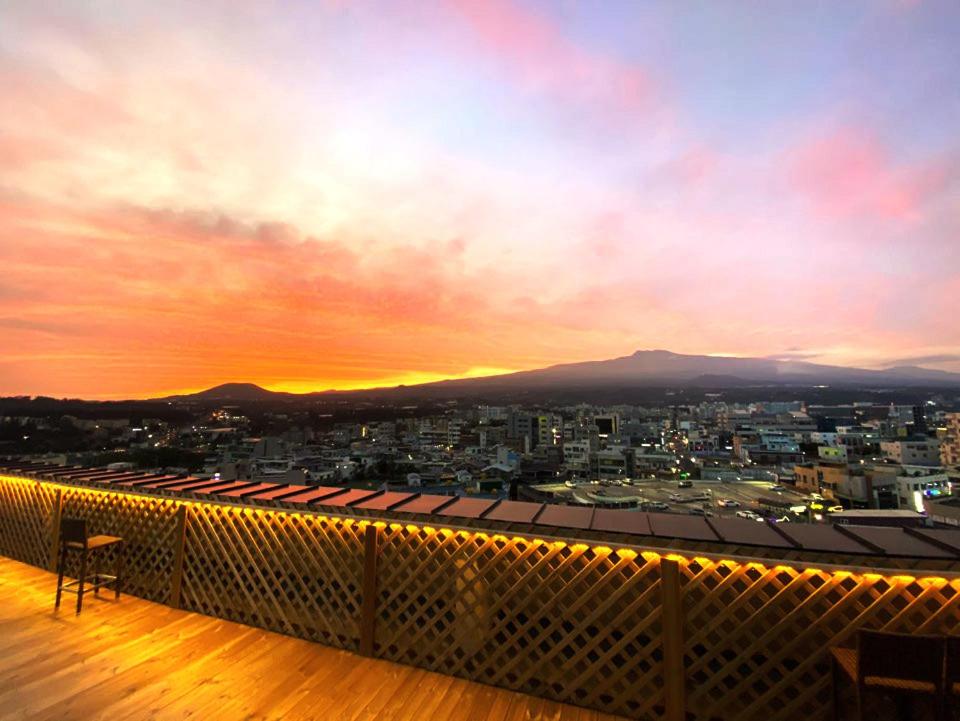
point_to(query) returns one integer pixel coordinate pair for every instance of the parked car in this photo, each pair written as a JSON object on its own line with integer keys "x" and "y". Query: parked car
{"x": 699, "y": 512}
{"x": 748, "y": 514}
{"x": 654, "y": 506}
{"x": 728, "y": 503}
{"x": 777, "y": 488}
{"x": 685, "y": 484}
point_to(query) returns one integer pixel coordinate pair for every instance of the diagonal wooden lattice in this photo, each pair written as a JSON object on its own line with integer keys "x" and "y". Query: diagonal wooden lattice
{"x": 148, "y": 528}
{"x": 757, "y": 638}
{"x": 567, "y": 622}
{"x": 298, "y": 574}
{"x": 571, "y": 622}
{"x": 25, "y": 520}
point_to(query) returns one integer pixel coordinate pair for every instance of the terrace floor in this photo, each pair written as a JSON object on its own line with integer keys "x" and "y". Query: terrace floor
{"x": 140, "y": 660}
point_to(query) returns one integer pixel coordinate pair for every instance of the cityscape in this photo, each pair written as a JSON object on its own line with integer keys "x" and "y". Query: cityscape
{"x": 699, "y": 451}
{"x": 479, "y": 360}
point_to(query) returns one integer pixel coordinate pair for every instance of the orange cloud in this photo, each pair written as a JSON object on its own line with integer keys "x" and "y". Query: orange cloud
{"x": 126, "y": 300}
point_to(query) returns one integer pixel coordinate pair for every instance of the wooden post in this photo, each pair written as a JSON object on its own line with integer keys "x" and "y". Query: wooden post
{"x": 672, "y": 620}
{"x": 368, "y": 609}
{"x": 55, "y": 514}
{"x": 180, "y": 542}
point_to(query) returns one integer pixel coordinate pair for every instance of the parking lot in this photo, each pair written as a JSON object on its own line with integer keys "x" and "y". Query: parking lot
{"x": 744, "y": 494}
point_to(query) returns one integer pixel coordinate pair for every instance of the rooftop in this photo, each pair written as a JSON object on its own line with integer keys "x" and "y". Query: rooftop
{"x": 134, "y": 659}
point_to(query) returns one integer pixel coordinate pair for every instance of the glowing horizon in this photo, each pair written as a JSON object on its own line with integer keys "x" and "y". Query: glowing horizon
{"x": 352, "y": 194}
{"x": 304, "y": 387}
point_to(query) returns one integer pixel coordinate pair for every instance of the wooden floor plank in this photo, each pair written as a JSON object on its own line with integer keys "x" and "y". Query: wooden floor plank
{"x": 217, "y": 687}
{"x": 307, "y": 672}
{"x": 56, "y": 685}
{"x": 134, "y": 660}
{"x": 118, "y": 686}
{"x": 259, "y": 676}
{"x": 450, "y": 701}
{"x": 152, "y": 700}
{"x": 479, "y": 705}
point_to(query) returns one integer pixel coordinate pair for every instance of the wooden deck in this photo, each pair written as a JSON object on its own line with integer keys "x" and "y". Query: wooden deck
{"x": 139, "y": 660}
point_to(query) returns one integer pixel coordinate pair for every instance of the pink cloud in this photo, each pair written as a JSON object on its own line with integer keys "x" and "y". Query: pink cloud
{"x": 540, "y": 56}
{"x": 850, "y": 173}
{"x": 692, "y": 167}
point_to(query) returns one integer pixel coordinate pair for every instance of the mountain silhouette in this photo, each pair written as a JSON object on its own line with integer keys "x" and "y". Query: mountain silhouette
{"x": 654, "y": 368}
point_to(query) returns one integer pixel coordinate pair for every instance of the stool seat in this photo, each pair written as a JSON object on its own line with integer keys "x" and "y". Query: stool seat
{"x": 74, "y": 540}
{"x": 96, "y": 542}
{"x": 901, "y": 664}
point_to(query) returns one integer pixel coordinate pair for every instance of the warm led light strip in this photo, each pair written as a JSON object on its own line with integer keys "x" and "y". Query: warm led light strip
{"x": 895, "y": 576}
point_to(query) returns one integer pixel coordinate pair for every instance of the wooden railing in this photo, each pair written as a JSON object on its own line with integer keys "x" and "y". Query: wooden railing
{"x": 626, "y": 630}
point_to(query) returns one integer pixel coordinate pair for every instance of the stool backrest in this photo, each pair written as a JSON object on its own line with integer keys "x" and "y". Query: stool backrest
{"x": 953, "y": 660}
{"x": 901, "y": 656}
{"x": 73, "y": 530}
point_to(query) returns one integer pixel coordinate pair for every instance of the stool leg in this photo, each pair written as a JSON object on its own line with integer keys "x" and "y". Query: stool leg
{"x": 835, "y": 679}
{"x": 96, "y": 574}
{"x": 61, "y": 562}
{"x": 83, "y": 577}
{"x": 119, "y": 573}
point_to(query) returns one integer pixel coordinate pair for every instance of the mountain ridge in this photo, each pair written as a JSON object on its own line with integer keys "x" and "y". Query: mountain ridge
{"x": 654, "y": 368}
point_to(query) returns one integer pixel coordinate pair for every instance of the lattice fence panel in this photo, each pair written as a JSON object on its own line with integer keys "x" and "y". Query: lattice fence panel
{"x": 148, "y": 528}
{"x": 567, "y": 622}
{"x": 757, "y": 638}
{"x": 26, "y": 509}
{"x": 292, "y": 573}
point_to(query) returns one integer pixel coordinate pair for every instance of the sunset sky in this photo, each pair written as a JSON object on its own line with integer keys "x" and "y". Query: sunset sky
{"x": 311, "y": 195}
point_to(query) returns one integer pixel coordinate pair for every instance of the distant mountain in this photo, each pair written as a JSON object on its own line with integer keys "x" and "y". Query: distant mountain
{"x": 232, "y": 392}
{"x": 645, "y": 368}
{"x": 663, "y": 368}
{"x": 918, "y": 373}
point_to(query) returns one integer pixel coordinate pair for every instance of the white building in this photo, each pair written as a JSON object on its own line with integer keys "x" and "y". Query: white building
{"x": 576, "y": 455}
{"x": 912, "y": 452}
{"x": 913, "y": 489}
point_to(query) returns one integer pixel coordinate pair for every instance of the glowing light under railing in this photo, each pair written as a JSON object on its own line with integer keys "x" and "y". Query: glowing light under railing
{"x": 579, "y": 547}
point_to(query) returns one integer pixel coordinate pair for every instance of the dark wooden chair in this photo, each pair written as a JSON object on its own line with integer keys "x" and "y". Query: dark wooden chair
{"x": 904, "y": 665}
{"x": 74, "y": 539}
{"x": 952, "y": 678}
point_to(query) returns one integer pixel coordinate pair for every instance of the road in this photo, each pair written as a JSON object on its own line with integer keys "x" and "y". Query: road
{"x": 744, "y": 492}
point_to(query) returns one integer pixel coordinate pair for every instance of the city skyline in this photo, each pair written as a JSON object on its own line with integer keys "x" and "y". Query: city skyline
{"x": 349, "y": 194}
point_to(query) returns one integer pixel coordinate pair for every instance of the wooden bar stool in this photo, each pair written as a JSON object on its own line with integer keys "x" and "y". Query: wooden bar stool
{"x": 906, "y": 665}
{"x": 73, "y": 537}
{"x": 951, "y": 690}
